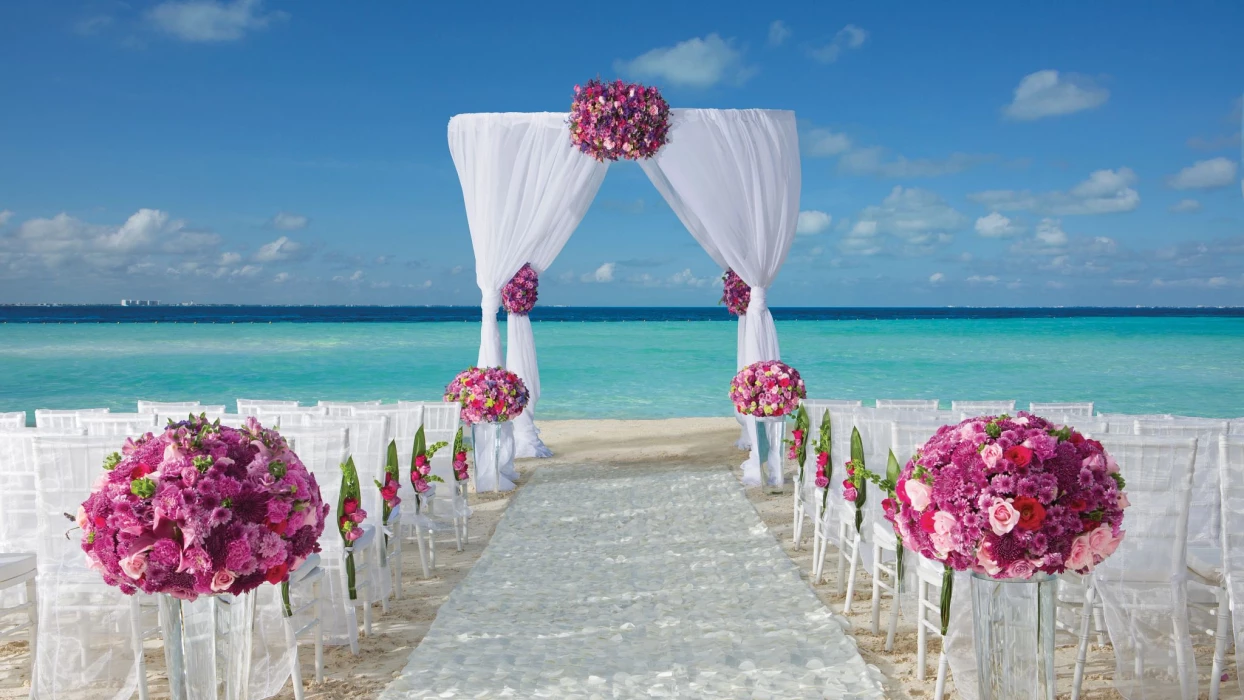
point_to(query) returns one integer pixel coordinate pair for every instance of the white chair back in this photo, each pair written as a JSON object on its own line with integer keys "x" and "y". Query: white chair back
{"x": 404, "y": 422}
{"x": 118, "y": 424}
{"x": 1125, "y": 423}
{"x": 177, "y": 415}
{"x": 1204, "y": 521}
{"x": 289, "y": 416}
{"x": 1231, "y": 484}
{"x": 247, "y": 407}
{"x": 1143, "y": 585}
{"x": 917, "y": 404}
{"x": 13, "y": 421}
{"x": 1237, "y": 427}
{"x": 62, "y": 420}
{"x": 343, "y": 409}
{"x": 17, "y": 489}
{"x": 909, "y": 436}
{"x": 1075, "y": 408}
{"x": 1086, "y": 425}
{"x": 972, "y": 409}
{"x": 823, "y": 404}
{"x": 84, "y": 642}
{"x": 167, "y": 406}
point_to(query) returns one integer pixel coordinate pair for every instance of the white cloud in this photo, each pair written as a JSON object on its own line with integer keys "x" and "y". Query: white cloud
{"x": 1186, "y": 205}
{"x": 917, "y": 220}
{"x": 695, "y": 62}
{"x": 937, "y": 278}
{"x": 206, "y": 21}
{"x": 1047, "y": 93}
{"x": 456, "y": 270}
{"x": 686, "y": 278}
{"x": 5, "y": 215}
{"x": 90, "y": 26}
{"x": 282, "y": 277}
{"x": 778, "y": 33}
{"x": 820, "y": 143}
{"x": 1104, "y": 192}
{"x": 813, "y": 221}
{"x": 357, "y": 276}
{"x": 1050, "y": 233}
{"x": 280, "y": 249}
{"x": 986, "y": 279}
{"x": 604, "y": 273}
{"x": 284, "y": 221}
{"x": 230, "y": 258}
{"x": 1204, "y": 175}
{"x": 995, "y": 225}
{"x": 848, "y": 38}
{"x": 872, "y": 160}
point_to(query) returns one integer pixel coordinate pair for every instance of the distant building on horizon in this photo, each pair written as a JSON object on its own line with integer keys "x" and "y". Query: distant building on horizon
{"x": 139, "y": 302}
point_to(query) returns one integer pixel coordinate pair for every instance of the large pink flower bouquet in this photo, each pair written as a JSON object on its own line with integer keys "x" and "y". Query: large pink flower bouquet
{"x": 735, "y": 293}
{"x": 1010, "y": 497}
{"x": 767, "y": 389}
{"x": 488, "y": 395}
{"x": 520, "y": 293}
{"x": 202, "y": 509}
{"x": 616, "y": 120}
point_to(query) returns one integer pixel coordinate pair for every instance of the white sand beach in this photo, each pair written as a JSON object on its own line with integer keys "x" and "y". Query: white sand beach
{"x": 697, "y": 443}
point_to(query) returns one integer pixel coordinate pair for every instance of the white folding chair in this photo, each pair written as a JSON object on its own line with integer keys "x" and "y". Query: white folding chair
{"x": 1204, "y": 516}
{"x": 365, "y": 567}
{"x": 18, "y": 572}
{"x": 247, "y": 407}
{"x": 342, "y": 409}
{"x": 289, "y": 417}
{"x": 928, "y": 603}
{"x": 1125, "y": 423}
{"x": 829, "y": 502}
{"x": 18, "y": 513}
{"x": 13, "y": 421}
{"x": 804, "y": 493}
{"x": 307, "y": 576}
{"x": 62, "y": 420}
{"x": 120, "y": 425}
{"x": 1143, "y": 586}
{"x": 1237, "y": 427}
{"x": 909, "y": 404}
{"x": 971, "y": 409}
{"x": 392, "y": 545}
{"x": 1074, "y": 408}
{"x": 168, "y": 407}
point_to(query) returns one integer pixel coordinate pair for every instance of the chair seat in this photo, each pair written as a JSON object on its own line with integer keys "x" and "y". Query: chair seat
{"x": 16, "y": 565}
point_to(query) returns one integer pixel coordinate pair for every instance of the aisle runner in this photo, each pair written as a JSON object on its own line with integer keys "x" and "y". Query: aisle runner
{"x": 607, "y": 583}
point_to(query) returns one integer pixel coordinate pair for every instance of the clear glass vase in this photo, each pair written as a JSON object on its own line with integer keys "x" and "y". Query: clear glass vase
{"x": 1014, "y": 626}
{"x": 207, "y": 646}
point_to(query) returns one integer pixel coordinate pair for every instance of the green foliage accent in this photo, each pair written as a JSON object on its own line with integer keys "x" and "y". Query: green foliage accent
{"x": 111, "y": 461}
{"x": 289, "y": 610}
{"x": 892, "y": 470}
{"x": 859, "y": 478}
{"x": 1118, "y": 479}
{"x": 436, "y": 447}
{"x": 277, "y": 468}
{"x": 143, "y": 488}
{"x": 203, "y": 463}
{"x": 993, "y": 430}
{"x": 350, "y": 488}
{"x": 802, "y": 423}
{"x": 825, "y": 444}
{"x": 948, "y": 583}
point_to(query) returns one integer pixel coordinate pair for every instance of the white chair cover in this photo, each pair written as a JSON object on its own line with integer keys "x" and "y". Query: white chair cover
{"x": 345, "y": 408}
{"x": 404, "y": 422}
{"x": 84, "y": 640}
{"x": 917, "y": 404}
{"x": 732, "y": 177}
{"x": 983, "y": 408}
{"x": 246, "y": 407}
{"x": 62, "y": 420}
{"x": 212, "y": 413}
{"x": 1204, "y": 517}
{"x": 1231, "y": 476}
{"x": 1125, "y": 424}
{"x": 1144, "y": 586}
{"x": 1082, "y": 408}
{"x": 167, "y": 406}
{"x": 118, "y": 424}
{"x": 13, "y": 421}
{"x": 18, "y": 514}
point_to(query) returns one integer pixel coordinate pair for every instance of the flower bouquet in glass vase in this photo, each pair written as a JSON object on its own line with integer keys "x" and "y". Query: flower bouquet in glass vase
{"x": 1016, "y": 501}
{"x": 200, "y": 515}
{"x": 764, "y": 393}
{"x": 490, "y": 398}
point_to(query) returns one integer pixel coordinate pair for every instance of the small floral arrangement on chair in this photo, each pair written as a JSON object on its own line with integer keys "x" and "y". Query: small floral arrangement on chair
{"x": 461, "y": 468}
{"x": 520, "y": 293}
{"x": 616, "y": 120}
{"x": 201, "y": 509}
{"x": 421, "y": 476}
{"x": 767, "y": 389}
{"x": 389, "y": 489}
{"x": 735, "y": 293}
{"x": 855, "y": 486}
{"x": 823, "y": 468}
{"x": 798, "y": 442}
{"x": 350, "y": 517}
{"x": 488, "y": 395}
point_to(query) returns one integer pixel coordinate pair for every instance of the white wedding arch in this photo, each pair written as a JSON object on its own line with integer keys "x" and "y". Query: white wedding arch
{"x": 731, "y": 176}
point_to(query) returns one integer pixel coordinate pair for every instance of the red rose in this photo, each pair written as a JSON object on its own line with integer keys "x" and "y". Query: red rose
{"x": 1078, "y": 505}
{"x": 926, "y": 520}
{"x": 461, "y": 456}
{"x": 1077, "y": 439}
{"x": 1094, "y": 444}
{"x": 887, "y": 505}
{"x": 277, "y": 573}
{"x": 1031, "y": 512}
{"x": 140, "y": 470}
{"x": 279, "y": 528}
{"x": 822, "y": 459}
{"x": 1018, "y": 455}
{"x": 350, "y": 505}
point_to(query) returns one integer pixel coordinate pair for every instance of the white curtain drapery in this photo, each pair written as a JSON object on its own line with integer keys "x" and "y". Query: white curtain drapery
{"x": 733, "y": 179}
{"x": 526, "y": 188}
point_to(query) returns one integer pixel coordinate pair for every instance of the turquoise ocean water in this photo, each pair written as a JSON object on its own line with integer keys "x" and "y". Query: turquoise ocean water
{"x": 1192, "y": 366}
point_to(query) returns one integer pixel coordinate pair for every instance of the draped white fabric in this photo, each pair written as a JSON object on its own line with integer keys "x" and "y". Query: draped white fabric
{"x": 522, "y": 182}
{"x": 733, "y": 179}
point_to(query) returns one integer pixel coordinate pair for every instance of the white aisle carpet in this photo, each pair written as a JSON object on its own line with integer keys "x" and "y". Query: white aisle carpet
{"x": 608, "y": 583}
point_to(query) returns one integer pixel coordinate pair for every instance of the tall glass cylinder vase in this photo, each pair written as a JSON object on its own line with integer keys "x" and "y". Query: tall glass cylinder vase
{"x": 207, "y": 646}
{"x": 491, "y": 455}
{"x": 1014, "y": 626}
{"x": 768, "y": 452}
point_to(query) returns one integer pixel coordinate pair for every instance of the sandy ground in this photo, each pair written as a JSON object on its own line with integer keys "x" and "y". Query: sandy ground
{"x": 701, "y": 442}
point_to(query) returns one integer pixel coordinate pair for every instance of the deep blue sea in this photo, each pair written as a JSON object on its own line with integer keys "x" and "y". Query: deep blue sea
{"x": 623, "y": 363}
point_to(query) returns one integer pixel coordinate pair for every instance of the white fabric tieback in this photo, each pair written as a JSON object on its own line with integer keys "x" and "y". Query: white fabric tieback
{"x": 491, "y": 302}
{"x": 757, "y": 302}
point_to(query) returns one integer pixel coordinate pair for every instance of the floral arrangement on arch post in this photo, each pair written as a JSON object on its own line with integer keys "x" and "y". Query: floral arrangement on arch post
{"x": 519, "y": 295}
{"x": 201, "y": 509}
{"x": 735, "y": 293}
{"x": 421, "y": 476}
{"x": 767, "y": 389}
{"x": 616, "y": 120}
{"x": 1010, "y": 498}
{"x": 350, "y": 517}
{"x": 488, "y": 395}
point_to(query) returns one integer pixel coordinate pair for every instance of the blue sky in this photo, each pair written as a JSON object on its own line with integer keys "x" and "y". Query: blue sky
{"x": 295, "y": 152}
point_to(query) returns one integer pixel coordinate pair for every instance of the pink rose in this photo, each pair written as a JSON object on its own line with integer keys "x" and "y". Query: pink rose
{"x": 1002, "y": 515}
{"x": 1081, "y": 555}
{"x": 135, "y": 565}
{"x": 1112, "y": 467}
{"x": 943, "y": 522}
{"x": 354, "y": 533}
{"x": 1100, "y": 538}
{"x": 1021, "y": 568}
{"x": 81, "y": 518}
{"x": 421, "y": 486}
{"x": 918, "y": 493}
{"x": 849, "y": 493}
{"x": 991, "y": 454}
{"x": 1123, "y": 502}
{"x": 822, "y": 482}
{"x": 358, "y": 516}
{"x": 1110, "y": 546}
{"x": 1094, "y": 462}
{"x": 986, "y": 563}
{"x": 222, "y": 580}
{"x": 941, "y": 543}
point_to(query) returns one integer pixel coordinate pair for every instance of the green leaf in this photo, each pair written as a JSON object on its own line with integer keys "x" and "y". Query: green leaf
{"x": 893, "y": 469}
{"x": 143, "y": 488}
{"x": 390, "y": 464}
{"x": 993, "y": 430}
{"x": 900, "y": 565}
{"x": 948, "y": 583}
{"x": 434, "y": 478}
{"x": 420, "y": 447}
{"x": 111, "y": 461}
{"x": 289, "y": 611}
{"x": 349, "y": 489}
{"x": 434, "y": 448}
{"x": 857, "y": 446}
